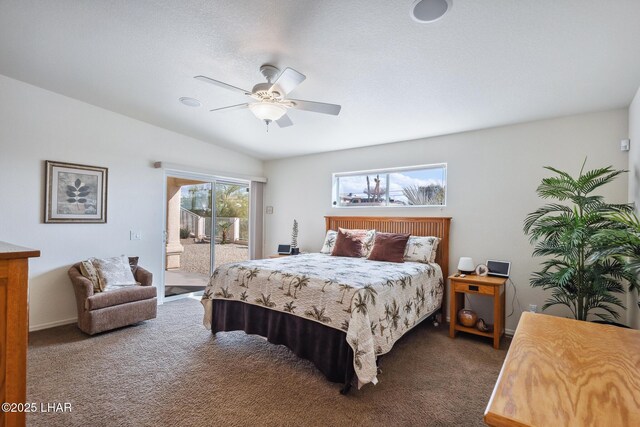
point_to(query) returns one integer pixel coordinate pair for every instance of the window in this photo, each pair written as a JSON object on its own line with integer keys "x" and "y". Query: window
{"x": 424, "y": 185}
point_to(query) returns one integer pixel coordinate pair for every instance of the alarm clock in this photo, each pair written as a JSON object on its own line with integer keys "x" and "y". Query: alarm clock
{"x": 482, "y": 270}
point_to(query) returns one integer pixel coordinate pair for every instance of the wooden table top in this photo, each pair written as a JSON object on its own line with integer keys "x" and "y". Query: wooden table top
{"x": 564, "y": 372}
{"x": 484, "y": 280}
{"x": 11, "y": 251}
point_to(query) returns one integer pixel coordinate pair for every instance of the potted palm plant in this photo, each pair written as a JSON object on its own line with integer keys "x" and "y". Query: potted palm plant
{"x": 568, "y": 231}
{"x": 622, "y": 244}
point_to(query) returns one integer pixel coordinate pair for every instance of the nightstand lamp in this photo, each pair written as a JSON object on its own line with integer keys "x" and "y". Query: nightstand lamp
{"x": 466, "y": 265}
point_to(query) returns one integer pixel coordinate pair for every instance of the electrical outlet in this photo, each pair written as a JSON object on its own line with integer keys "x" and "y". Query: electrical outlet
{"x": 533, "y": 308}
{"x": 135, "y": 235}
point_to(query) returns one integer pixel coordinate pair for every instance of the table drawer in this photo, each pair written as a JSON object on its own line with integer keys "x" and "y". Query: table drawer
{"x": 474, "y": 288}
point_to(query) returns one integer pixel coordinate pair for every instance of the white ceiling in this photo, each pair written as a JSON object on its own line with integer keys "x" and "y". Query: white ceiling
{"x": 487, "y": 63}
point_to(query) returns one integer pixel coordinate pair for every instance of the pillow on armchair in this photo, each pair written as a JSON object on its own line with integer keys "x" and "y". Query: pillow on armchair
{"x": 89, "y": 271}
{"x": 114, "y": 273}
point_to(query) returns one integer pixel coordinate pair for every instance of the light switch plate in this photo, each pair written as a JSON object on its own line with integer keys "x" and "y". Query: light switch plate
{"x": 269, "y": 210}
{"x": 135, "y": 235}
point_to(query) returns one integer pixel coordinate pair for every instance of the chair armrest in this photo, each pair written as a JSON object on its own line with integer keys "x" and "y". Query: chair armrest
{"x": 81, "y": 285}
{"x": 144, "y": 277}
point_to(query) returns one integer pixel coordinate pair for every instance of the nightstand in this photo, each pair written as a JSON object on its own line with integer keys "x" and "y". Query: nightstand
{"x": 278, "y": 255}
{"x": 478, "y": 285}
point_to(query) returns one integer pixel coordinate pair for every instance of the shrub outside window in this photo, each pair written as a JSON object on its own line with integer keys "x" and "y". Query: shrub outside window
{"x": 413, "y": 186}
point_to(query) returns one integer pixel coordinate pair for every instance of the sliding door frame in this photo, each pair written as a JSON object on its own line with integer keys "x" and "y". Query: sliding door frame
{"x": 206, "y": 178}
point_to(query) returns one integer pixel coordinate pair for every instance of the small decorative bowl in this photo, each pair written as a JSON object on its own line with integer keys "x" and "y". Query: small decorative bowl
{"x": 467, "y": 318}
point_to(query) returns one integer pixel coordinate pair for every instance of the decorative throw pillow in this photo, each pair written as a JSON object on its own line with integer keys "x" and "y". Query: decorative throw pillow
{"x": 133, "y": 263}
{"x": 367, "y": 237}
{"x": 349, "y": 243}
{"x": 367, "y": 243}
{"x": 421, "y": 249}
{"x": 114, "y": 273}
{"x": 329, "y": 242}
{"x": 89, "y": 271}
{"x": 389, "y": 247}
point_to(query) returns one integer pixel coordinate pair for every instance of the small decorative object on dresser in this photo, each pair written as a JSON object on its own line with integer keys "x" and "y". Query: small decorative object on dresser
{"x": 294, "y": 239}
{"x": 75, "y": 193}
{"x": 467, "y": 317}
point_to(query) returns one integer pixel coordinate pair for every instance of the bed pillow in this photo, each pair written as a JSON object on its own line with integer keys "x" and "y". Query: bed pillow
{"x": 367, "y": 243}
{"x": 367, "y": 237}
{"x": 389, "y": 247}
{"x": 421, "y": 249}
{"x": 329, "y": 242}
{"x": 349, "y": 243}
{"x": 114, "y": 273}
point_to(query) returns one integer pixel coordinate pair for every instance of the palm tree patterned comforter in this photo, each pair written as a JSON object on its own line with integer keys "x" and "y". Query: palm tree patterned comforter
{"x": 374, "y": 302}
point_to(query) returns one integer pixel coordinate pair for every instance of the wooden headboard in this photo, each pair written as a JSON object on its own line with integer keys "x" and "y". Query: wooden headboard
{"x": 416, "y": 226}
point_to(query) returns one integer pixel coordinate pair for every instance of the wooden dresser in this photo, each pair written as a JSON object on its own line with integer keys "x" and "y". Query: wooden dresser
{"x": 563, "y": 372}
{"x": 14, "y": 328}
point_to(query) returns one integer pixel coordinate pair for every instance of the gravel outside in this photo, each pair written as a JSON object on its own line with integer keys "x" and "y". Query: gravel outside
{"x": 195, "y": 258}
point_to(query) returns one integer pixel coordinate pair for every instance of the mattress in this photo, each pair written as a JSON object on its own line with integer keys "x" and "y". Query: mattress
{"x": 374, "y": 302}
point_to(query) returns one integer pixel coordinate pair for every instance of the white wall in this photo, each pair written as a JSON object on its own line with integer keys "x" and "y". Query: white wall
{"x": 634, "y": 186}
{"x": 492, "y": 177}
{"x": 37, "y": 125}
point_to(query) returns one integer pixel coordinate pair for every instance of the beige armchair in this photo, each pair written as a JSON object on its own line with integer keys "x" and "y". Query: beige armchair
{"x": 103, "y": 311}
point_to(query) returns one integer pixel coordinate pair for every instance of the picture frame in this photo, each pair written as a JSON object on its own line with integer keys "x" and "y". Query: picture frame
{"x": 75, "y": 193}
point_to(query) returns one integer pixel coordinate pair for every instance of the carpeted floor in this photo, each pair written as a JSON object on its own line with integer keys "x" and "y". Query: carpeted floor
{"x": 171, "y": 371}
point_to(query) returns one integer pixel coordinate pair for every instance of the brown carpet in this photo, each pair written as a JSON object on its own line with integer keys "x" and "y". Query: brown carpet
{"x": 171, "y": 371}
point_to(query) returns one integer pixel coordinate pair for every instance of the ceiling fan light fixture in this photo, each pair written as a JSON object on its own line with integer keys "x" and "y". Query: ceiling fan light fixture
{"x": 267, "y": 110}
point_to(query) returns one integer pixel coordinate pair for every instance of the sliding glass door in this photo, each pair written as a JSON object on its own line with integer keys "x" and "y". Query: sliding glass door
{"x": 232, "y": 223}
{"x": 207, "y": 225}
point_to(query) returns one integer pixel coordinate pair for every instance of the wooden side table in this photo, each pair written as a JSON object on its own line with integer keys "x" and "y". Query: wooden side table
{"x": 478, "y": 285}
{"x": 278, "y": 255}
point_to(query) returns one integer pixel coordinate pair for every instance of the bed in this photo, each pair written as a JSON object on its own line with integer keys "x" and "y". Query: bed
{"x": 340, "y": 313}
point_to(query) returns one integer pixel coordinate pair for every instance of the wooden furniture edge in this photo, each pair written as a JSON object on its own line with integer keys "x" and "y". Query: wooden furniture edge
{"x": 10, "y": 251}
{"x": 14, "y": 312}
{"x": 484, "y": 280}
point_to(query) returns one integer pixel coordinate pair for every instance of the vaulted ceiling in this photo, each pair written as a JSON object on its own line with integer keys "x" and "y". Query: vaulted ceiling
{"x": 486, "y": 63}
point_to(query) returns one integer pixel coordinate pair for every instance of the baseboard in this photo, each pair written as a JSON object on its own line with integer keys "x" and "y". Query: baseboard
{"x": 48, "y": 325}
{"x": 507, "y": 332}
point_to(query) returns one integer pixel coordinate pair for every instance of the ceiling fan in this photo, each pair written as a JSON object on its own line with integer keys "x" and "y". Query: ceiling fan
{"x": 272, "y": 103}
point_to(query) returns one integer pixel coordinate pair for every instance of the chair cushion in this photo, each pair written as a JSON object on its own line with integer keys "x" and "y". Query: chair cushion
{"x": 120, "y": 296}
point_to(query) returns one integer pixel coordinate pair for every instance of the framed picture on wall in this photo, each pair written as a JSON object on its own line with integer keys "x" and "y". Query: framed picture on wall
{"x": 75, "y": 193}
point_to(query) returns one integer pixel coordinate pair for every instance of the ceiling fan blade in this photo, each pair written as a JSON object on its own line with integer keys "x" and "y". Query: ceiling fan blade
{"x": 287, "y": 81}
{"x": 284, "y": 121}
{"x": 221, "y": 84}
{"x": 316, "y": 107}
{"x": 231, "y": 107}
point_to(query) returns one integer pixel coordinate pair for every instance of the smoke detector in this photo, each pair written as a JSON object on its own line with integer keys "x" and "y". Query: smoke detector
{"x": 190, "y": 102}
{"x": 427, "y": 11}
